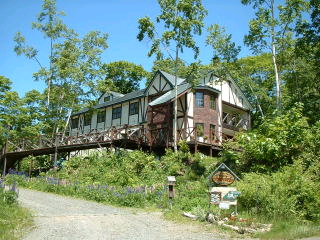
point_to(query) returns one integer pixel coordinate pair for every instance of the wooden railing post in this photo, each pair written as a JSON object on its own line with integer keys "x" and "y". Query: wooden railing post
{"x": 55, "y": 149}
{"x": 5, "y": 159}
{"x": 195, "y": 141}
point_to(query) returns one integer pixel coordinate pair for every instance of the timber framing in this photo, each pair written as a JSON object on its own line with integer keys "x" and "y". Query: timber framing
{"x": 223, "y": 111}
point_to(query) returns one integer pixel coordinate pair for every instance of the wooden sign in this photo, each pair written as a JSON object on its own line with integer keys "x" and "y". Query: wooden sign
{"x": 226, "y": 195}
{"x": 223, "y": 176}
{"x": 215, "y": 198}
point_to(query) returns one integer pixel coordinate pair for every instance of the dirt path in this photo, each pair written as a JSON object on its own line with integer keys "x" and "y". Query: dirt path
{"x": 58, "y": 217}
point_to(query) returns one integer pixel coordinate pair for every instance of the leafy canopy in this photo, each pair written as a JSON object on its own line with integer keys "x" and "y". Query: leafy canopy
{"x": 182, "y": 20}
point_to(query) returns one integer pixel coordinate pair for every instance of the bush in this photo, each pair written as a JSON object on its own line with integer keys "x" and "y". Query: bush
{"x": 13, "y": 218}
{"x": 288, "y": 193}
{"x": 277, "y": 142}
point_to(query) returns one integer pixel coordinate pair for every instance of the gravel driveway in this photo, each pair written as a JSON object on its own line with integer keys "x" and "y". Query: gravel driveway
{"x": 59, "y": 217}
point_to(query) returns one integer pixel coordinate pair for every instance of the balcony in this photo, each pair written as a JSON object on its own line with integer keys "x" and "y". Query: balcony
{"x": 234, "y": 122}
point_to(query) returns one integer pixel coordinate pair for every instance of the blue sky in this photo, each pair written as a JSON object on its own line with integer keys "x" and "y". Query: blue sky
{"x": 118, "y": 18}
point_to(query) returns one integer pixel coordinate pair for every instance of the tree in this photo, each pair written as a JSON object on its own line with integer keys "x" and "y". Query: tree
{"x": 182, "y": 20}
{"x": 123, "y": 76}
{"x": 225, "y": 62}
{"x": 6, "y": 101}
{"x": 278, "y": 141}
{"x": 50, "y": 24}
{"x": 221, "y": 43}
{"x": 272, "y": 30}
{"x": 74, "y": 64}
{"x": 19, "y": 117}
{"x": 302, "y": 81}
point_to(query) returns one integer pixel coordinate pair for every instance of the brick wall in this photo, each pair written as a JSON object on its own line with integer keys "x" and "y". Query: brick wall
{"x": 205, "y": 114}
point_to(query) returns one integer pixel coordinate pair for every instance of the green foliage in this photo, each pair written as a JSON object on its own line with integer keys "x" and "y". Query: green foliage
{"x": 13, "y": 218}
{"x": 277, "y": 142}
{"x": 182, "y": 19}
{"x": 122, "y": 169}
{"x": 290, "y": 229}
{"x": 288, "y": 193}
{"x": 13, "y": 221}
{"x": 272, "y": 31}
{"x": 134, "y": 178}
{"x": 38, "y": 164}
{"x": 221, "y": 43}
{"x": 74, "y": 68}
{"x": 124, "y": 76}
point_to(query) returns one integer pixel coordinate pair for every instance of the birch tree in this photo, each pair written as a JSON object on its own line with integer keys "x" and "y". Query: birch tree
{"x": 272, "y": 30}
{"x": 182, "y": 20}
{"x": 74, "y": 64}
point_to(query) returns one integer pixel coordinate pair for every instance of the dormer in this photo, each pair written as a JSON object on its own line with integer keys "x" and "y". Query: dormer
{"x": 109, "y": 96}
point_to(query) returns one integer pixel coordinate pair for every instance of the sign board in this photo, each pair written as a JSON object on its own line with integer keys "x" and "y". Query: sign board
{"x": 215, "y": 198}
{"x": 223, "y": 176}
{"x": 224, "y": 205}
{"x": 227, "y": 195}
{"x": 231, "y": 196}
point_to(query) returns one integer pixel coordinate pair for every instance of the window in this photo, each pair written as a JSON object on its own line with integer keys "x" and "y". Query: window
{"x": 241, "y": 100}
{"x": 87, "y": 119}
{"x": 200, "y": 129}
{"x": 74, "y": 122}
{"x": 106, "y": 99}
{"x": 199, "y": 99}
{"x": 212, "y": 131}
{"x": 116, "y": 113}
{"x": 101, "y": 117}
{"x": 212, "y": 102}
{"x": 133, "y": 108}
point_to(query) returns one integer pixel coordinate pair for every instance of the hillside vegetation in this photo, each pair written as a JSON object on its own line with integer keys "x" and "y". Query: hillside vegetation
{"x": 13, "y": 218}
{"x": 278, "y": 164}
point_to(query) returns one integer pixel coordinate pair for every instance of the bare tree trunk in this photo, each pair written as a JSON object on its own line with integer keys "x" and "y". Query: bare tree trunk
{"x": 175, "y": 101}
{"x": 49, "y": 80}
{"x": 274, "y": 60}
{"x": 278, "y": 94}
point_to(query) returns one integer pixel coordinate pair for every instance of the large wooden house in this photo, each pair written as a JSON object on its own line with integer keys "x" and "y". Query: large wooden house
{"x": 207, "y": 114}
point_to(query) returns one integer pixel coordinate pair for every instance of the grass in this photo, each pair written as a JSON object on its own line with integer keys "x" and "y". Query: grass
{"x": 13, "y": 221}
{"x": 286, "y": 230}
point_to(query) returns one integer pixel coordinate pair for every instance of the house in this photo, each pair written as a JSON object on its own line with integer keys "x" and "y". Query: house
{"x": 207, "y": 114}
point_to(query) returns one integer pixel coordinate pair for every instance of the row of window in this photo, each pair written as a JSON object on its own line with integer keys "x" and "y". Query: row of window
{"x": 101, "y": 115}
{"x": 200, "y": 129}
{"x": 200, "y": 100}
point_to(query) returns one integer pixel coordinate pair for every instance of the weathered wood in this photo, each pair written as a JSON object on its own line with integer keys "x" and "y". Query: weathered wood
{"x": 133, "y": 137}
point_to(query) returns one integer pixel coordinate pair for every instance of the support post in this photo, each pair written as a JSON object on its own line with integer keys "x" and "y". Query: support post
{"x": 4, "y": 160}
{"x": 4, "y": 166}
{"x": 195, "y": 141}
{"x": 30, "y": 166}
{"x": 220, "y": 114}
{"x": 55, "y": 151}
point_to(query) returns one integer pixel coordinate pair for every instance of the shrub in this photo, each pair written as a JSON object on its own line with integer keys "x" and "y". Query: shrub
{"x": 288, "y": 193}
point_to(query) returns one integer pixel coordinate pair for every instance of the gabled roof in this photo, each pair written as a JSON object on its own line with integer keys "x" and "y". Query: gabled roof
{"x": 171, "y": 78}
{"x": 129, "y": 96}
{"x": 242, "y": 94}
{"x": 169, "y": 96}
{"x": 124, "y": 98}
{"x": 211, "y": 73}
{"x": 168, "y": 77}
{"x": 116, "y": 94}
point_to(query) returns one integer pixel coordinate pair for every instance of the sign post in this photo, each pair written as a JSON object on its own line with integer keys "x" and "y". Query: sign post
{"x": 220, "y": 194}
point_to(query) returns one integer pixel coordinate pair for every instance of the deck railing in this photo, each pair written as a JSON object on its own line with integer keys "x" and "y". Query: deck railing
{"x": 162, "y": 137}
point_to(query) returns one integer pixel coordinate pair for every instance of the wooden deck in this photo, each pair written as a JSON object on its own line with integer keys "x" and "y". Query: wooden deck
{"x": 128, "y": 137}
